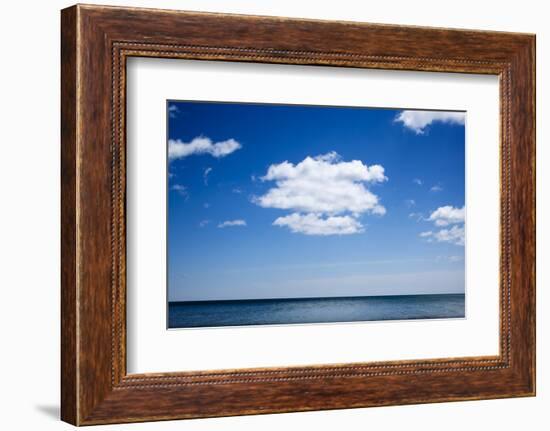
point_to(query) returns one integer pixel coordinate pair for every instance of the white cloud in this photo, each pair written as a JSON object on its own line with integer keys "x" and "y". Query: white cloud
{"x": 323, "y": 184}
{"x": 325, "y": 194}
{"x": 410, "y": 202}
{"x": 173, "y": 111}
{"x": 231, "y": 223}
{"x": 419, "y": 120}
{"x": 204, "y": 223}
{"x": 416, "y": 215}
{"x": 444, "y": 216}
{"x": 454, "y": 235}
{"x": 182, "y": 190}
{"x": 436, "y": 188}
{"x": 205, "y": 175}
{"x": 178, "y": 149}
{"x": 447, "y": 216}
{"x": 314, "y": 224}
{"x": 417, "y": 181}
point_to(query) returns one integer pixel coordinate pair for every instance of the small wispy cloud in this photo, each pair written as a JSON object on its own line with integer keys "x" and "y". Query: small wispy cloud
{"x": 232, "y": 223}
{"x": 410, "y": 203}
{"x": 417, "y": 216}
{"x": 204, "y": 223}
{"x": 418, "y": 121}
{"x": 173, "y": 111}
{"x": 436, "y": 188}
{"x": 205, "y": 175}
{"x": 178, "y": 149}
{"x": 236, "y": 190}
{"x": 417, "y": 181}
{"x": 180, "y": 189}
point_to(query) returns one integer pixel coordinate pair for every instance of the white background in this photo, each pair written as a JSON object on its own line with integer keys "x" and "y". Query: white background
{"x": 29, "y": 216}
{"x": 151, "y": 348}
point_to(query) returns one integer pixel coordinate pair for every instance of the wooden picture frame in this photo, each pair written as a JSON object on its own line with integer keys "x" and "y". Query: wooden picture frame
{"x": 95, "y": 43}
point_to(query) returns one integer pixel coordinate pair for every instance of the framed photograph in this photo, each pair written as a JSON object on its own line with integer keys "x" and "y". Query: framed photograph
{"x": 317, "y": 215}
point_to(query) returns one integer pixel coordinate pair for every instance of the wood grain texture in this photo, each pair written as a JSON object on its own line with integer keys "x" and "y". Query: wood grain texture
{"x": 96, "y": 41}
{"x": 69, "y": 366}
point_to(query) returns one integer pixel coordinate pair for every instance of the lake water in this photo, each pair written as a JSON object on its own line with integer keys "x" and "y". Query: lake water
{"x": 314, "y": 310}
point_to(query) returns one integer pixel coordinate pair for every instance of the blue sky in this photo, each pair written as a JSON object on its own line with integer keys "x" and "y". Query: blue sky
{"x": 285, "y": 201}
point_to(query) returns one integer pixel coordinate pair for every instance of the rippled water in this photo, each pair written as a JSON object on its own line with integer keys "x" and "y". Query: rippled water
{"x": 314, "y": 310}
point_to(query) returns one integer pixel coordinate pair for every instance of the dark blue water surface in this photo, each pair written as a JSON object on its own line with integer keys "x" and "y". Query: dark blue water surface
{"x": 313, "y": 310}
